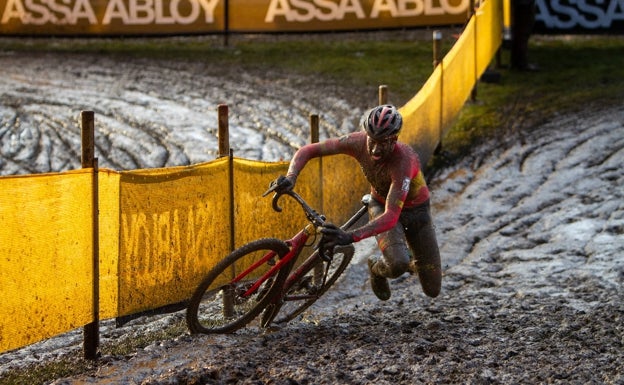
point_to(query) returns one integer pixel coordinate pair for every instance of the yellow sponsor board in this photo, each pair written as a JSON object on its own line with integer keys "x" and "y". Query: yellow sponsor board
{"x": 110, "y": 16}
{"x": 314, "y": 15}
{"x": 159, "y": 17}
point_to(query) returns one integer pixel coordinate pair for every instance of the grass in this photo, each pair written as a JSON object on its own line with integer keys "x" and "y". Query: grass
{"x": 577, "y": 73}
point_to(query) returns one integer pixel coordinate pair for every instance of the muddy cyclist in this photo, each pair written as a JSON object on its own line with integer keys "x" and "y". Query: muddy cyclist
{"x": 400, "y": 216}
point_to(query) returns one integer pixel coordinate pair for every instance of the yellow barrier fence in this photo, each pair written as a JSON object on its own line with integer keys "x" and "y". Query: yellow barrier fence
{"x": 160, "y": 230}
{"x": 46, "y": 252}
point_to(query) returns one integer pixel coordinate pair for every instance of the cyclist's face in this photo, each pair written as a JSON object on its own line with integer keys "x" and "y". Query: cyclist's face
{"x": 378, "y": 150}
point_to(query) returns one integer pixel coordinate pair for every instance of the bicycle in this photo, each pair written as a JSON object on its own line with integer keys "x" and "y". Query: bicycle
{"x": 228, "y": 299}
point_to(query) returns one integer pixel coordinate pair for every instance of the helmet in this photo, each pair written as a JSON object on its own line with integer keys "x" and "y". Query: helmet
{"x": 382, "y": 121}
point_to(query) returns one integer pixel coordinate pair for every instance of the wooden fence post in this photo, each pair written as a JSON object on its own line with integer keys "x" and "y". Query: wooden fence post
{"x": 231, "y": 188}
{"x": 383, "y": 94}
{"x": 437, "y": 61}
{"x": 225, "y": 150}
{"x": 226, "y": 23}
{"x": 437, "y": 49}
{"x": 471, "y": 13}
{"x": 91, "y": 330}
{"x": 314, "y": 138}
{"x": 224, "y": 130}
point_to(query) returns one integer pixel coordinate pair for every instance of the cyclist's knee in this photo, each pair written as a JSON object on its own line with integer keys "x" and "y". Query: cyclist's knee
{"x": 390, "y": 268}
{"x": 431, "y": 290}
{"x": 396, "y": 259}
{"x": 430, "y": 281}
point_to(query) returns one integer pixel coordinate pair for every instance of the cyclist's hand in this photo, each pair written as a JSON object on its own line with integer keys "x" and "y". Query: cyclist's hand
{"x": 285, "y": 184}
{"x": 334, "y": 236}
{"x": 280, "y": 185}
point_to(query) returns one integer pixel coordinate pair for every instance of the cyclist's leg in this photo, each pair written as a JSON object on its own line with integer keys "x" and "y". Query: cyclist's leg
{"x": 392, "y": 243}
{"x": 421, "y": 238}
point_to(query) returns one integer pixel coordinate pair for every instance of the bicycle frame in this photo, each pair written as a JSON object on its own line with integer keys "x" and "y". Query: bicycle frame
{"x": 296, "y": 244}
{"x": 310, "y": 261}
{"x": 272, "y": 282}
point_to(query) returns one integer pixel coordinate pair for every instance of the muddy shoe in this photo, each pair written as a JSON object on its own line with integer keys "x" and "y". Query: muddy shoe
{"x": 379, "y": 284}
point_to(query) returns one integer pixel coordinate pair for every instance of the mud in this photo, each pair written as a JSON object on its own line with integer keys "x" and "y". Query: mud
{"x": 532, "y": 238}
{"x": 153, "y": 113}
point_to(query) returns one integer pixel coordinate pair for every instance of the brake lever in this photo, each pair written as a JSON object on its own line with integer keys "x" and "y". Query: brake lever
{"x": 272, "y": 187}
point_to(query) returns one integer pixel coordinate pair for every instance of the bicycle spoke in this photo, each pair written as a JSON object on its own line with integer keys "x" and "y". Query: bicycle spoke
{"x": 236, "y": 300}
{"x": 312, "y": 284}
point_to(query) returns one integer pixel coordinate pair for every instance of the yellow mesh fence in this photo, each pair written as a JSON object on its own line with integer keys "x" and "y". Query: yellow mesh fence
{"x": 108, "y": 205}
{"x": 174, "y": 225}
{"x": 175, "y": 222}
{"x": 254, "y": 215}
{"x": 46, "y": 256}
{"x": 422, "y": 117}
{"x": 489, "y": 33}
{"x": 161, "y": 230}
{"x": 459, "y": 74}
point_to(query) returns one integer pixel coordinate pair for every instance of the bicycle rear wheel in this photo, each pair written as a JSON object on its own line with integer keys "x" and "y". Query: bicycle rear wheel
{"x": 309, "y": 286}
{"x": 224, "y": 302}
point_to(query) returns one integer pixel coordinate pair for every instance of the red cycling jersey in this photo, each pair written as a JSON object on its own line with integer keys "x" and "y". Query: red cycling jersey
{"x": 397, "y": 181}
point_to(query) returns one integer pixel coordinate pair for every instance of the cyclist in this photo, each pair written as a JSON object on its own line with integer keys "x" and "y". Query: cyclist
{"x": 399, "y": 212}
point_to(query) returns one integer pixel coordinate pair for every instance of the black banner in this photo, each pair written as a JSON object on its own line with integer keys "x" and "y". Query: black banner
{"x": 579, "y": 16}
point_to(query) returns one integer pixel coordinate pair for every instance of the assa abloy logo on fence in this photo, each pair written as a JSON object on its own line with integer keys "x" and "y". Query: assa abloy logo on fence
{"x": 579, "y": 16}
{"x": 138, "y": 12}
{"x": 197, "y": 16}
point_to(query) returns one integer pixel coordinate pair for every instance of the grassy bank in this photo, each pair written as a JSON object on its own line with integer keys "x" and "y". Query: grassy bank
{"x": 577, "y": 73}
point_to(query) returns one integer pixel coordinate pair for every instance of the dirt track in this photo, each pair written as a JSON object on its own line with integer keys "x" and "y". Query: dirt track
{"x": 532, "y": 238}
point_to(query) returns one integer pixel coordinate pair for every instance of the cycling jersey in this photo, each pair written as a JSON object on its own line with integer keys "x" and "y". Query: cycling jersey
{"x": 397, "y": 181}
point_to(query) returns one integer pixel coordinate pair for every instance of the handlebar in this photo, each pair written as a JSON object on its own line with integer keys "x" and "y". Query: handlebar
{"x": 282, "y": 187}
{"x": 314, "y": 217}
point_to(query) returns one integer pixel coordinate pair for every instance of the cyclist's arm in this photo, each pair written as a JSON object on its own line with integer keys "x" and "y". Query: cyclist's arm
{"x": 342, "y": 145}
{"x": 389, "y": 218}
{"x": 406, "y": 168}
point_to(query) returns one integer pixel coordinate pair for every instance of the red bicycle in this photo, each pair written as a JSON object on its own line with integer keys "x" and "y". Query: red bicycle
{"x": 259, "y": 277}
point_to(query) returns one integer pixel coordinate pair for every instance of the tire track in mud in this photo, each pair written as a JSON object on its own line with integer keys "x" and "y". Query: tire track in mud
{"x": 151, "y": 113}
{"x": 552, "y": 187}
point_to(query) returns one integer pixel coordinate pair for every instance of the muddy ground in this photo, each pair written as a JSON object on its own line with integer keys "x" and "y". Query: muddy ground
{"x": 531, "y": 230}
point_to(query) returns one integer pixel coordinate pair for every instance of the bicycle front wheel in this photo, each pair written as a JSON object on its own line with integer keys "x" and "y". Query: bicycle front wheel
{"x": 305, "y": 289}
{"x": 236, "y": 290}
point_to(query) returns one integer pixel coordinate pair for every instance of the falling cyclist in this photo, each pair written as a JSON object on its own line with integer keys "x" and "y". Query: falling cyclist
{"x": 399, "y": 212}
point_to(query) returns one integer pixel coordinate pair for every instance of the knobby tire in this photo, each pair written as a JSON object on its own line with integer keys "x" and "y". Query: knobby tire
{"x": 217, "y": 305}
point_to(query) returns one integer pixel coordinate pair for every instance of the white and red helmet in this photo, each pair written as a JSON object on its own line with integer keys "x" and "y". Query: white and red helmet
{"x": 382, "y": 121}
